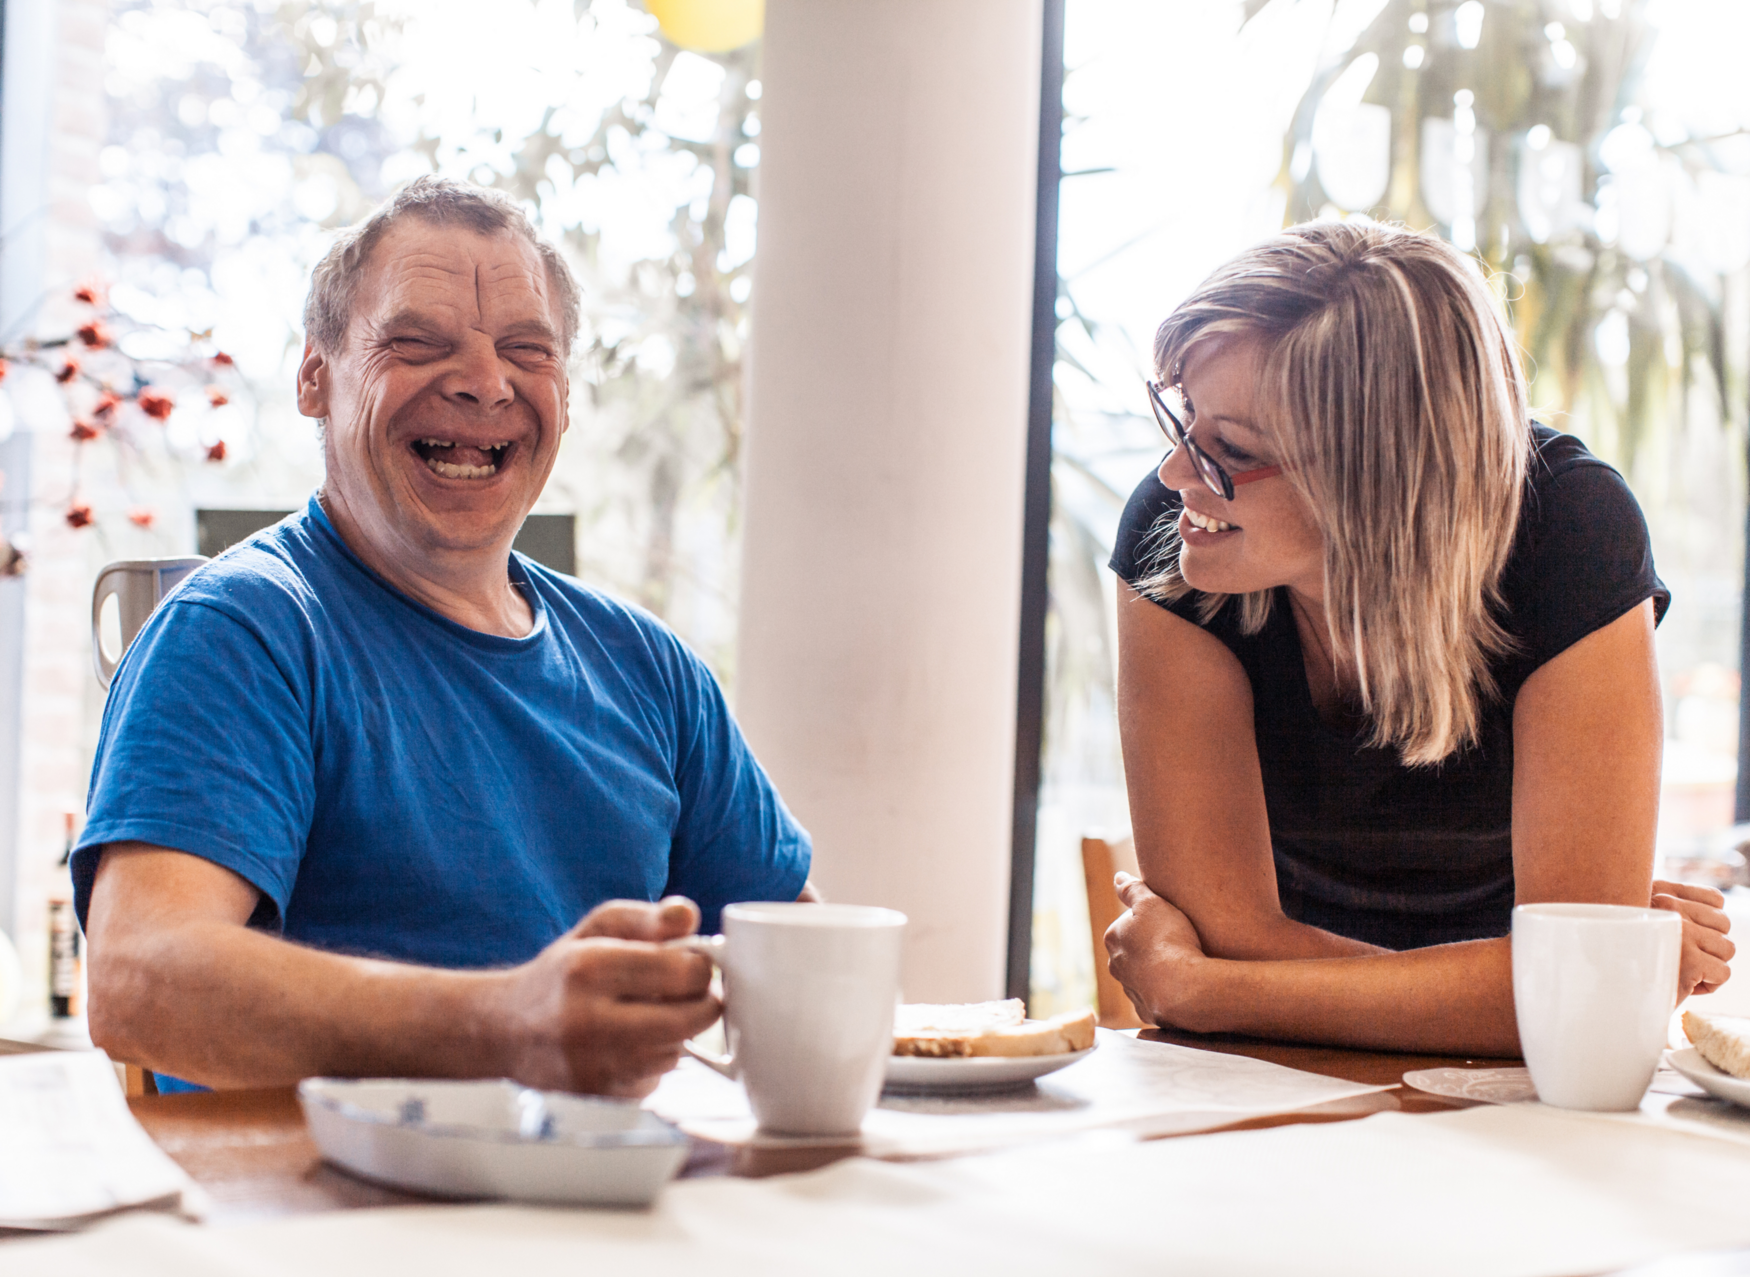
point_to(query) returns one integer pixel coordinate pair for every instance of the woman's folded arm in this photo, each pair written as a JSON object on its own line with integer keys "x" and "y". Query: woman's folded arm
{"x": 1448, "y": 999}
{"x": 1196, "y": 792}
{"x": 1204, "y": 944}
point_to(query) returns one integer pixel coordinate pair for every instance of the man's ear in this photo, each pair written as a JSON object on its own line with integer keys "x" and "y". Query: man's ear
{"x": 313, "y": 383}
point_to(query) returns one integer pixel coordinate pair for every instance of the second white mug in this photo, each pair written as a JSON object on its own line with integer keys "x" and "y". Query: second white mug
{"x": 808, "y": 992}
{"x": 1593, "y": 988}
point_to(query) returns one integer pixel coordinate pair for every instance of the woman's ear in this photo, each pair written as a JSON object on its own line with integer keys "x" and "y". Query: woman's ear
{"x": 313, "y": 383}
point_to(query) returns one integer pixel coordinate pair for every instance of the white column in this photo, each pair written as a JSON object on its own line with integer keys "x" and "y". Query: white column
{"x": 887, "y": 422}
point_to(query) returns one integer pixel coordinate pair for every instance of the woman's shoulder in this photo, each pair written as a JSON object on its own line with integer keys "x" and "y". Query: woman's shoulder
{"x": 1143, "y": 546}
{"x": 1582, "y": 555}
{"x": 1580, "y": 520}
{"x": 1555, "y": 455}
{"x": 1137, "y": 545}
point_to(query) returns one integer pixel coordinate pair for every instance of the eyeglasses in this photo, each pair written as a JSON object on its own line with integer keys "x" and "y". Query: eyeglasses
{"x": 1208, "y": 469}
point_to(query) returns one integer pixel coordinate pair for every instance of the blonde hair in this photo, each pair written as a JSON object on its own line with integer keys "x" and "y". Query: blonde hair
{"x": 1393, "y": 392}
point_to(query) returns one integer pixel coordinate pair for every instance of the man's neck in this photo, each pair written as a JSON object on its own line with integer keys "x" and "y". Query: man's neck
{"x": 471, "y": 588}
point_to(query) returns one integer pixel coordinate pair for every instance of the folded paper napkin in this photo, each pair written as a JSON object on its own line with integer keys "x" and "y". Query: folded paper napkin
{"x": 1514, "y": 1086}
{"x": 70, "y": 1151}
{"x": 1513, "y": 1191}
{"x": 1673, "y": 1102}
{"x": 1146, "y": 1088}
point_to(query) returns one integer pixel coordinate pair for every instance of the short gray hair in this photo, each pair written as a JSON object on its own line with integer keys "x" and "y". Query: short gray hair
{"x": 438, "y": 201}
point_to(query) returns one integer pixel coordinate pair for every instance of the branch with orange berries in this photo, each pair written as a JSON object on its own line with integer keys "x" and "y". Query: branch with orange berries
{"x": 121, "y": 378}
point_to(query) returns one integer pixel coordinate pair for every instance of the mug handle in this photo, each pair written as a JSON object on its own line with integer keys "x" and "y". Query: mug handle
{"x": 104, "y": 666}
{"x": 711, "y": 949}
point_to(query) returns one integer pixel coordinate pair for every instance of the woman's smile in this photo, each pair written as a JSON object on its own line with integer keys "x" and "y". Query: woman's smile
{"x": 1193, "y": 523}
{"x": 1281, "y": 545}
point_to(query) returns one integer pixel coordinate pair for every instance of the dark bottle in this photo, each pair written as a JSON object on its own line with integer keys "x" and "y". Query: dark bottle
{"x": 64, "y": 940}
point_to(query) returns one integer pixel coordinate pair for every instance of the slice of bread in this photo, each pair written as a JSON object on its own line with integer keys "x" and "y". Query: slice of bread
{"x": 911, "y": 1018}
{"x": 968, "y": 1029}
{"x": 1723, "y": 1040}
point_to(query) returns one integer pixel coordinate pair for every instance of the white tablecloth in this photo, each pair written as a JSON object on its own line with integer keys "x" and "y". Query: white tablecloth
{"x": 1516, "y": 1191}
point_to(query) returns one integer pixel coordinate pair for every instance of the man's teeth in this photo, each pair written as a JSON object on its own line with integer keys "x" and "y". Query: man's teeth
{"x": 455, "y": 470}
{"x": 450, "y": 470}
{"x": 1206, "y": 523}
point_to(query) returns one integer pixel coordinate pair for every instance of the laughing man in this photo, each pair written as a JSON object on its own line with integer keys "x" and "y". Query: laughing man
{"x": 360, "y": 777}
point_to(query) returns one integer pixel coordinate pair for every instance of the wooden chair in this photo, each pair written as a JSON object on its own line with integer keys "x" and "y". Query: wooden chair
{"x": 1101, "y": 858}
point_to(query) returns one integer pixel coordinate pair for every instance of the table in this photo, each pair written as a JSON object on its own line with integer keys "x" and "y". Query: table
{"x": 251, "y": 1153}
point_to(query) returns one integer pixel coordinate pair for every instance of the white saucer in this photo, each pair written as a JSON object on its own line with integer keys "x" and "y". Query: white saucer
{"x": 1714, "y": 1081}
{"x": 916, "y": 1074}
{"x": 493, "y": 1139}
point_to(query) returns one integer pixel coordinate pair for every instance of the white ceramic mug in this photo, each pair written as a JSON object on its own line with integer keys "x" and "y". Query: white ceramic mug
{"x": 139, "y": 586}
{"x": 808, "y": 992}
{"x": 1593, "y": 988}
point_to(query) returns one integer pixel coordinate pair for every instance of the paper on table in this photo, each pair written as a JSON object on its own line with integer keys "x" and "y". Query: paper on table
{"x": 1147, "y": 1088}
{"x": 1517, "y": 1191}
{"x": 71, "y": 1149}
{"x": 1694, "y": 1115}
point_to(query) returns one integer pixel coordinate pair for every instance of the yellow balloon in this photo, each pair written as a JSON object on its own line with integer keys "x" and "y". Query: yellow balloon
{"x": 709, "y": 26}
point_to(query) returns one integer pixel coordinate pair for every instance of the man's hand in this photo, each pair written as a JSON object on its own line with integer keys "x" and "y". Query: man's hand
{"x": 605, "y": 1008}
{"x": 1706, "y": 950}
{"x": 667, "y": 919}
{"x": 1155, "y": 954}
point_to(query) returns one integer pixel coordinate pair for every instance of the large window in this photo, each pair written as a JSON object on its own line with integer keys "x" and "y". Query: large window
{"x": 1592, "y": 153}
{"x": 241, "y": 133}
{"x": 221, "y": 145}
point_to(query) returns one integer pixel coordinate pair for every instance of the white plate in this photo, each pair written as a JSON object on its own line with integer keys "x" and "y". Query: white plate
{"x": 1714, "y": 1081}
{"x": 912, "y": 1074}
{"x": 493, "y": 1139}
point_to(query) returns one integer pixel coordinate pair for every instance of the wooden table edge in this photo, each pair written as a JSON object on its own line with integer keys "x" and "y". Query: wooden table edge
{"x": 251, "y": 1152}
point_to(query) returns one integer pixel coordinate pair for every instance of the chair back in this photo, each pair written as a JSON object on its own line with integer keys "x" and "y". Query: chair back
{"x": 136, "y": 1081}
{"x": 138, "y": 587}
{"x": 1101, "y": 858}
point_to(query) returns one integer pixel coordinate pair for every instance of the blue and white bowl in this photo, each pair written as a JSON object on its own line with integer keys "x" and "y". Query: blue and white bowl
{"x": 493, "y": 1139}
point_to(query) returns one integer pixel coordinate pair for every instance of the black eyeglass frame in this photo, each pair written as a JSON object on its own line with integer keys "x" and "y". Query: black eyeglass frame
{"x": 1217, "y": 479}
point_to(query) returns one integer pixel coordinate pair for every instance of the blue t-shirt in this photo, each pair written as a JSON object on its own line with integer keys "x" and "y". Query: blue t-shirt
{"x": 401, "y": 786}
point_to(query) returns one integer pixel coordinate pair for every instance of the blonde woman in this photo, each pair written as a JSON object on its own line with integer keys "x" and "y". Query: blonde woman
{"x": 1386, "y": 661}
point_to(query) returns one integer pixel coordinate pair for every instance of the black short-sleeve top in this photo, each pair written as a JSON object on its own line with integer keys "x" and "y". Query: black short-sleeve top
{"x": 1410, "y": 856}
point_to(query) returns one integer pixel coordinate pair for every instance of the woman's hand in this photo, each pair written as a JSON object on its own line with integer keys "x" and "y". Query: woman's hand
{"x": 1706, "y": 950}
{"x": 1155, "y": 954}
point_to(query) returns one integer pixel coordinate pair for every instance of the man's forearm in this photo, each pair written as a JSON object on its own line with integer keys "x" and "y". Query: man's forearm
{"x": 1447, "y": 999}
{"x": 180, "y": 984}
{"x": 220, "y": 1004}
